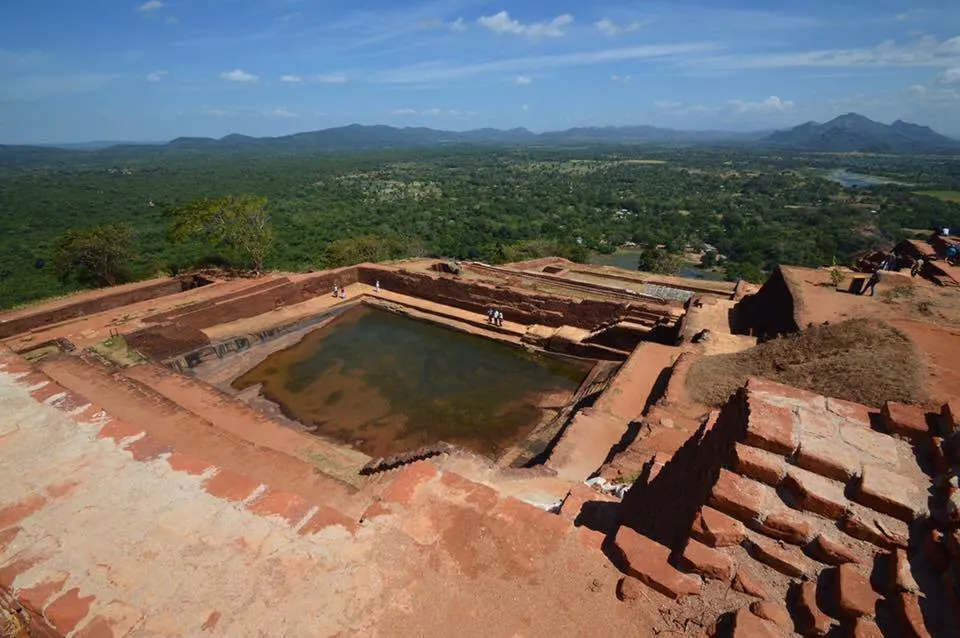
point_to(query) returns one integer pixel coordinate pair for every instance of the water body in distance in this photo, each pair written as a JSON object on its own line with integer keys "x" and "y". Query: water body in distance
{"x": 388, "y": 384}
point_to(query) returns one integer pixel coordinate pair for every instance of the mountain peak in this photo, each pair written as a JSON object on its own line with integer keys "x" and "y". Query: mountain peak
{"x": 855, "y": 132}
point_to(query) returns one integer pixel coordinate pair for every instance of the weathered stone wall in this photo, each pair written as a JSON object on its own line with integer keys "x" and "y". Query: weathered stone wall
{"x": 772, "y": 311}
{"x": 233, "y": 307}
{"x": 478, "y": 297}
{"x": 32, "y": 321}
{"x": 664, "y": 507}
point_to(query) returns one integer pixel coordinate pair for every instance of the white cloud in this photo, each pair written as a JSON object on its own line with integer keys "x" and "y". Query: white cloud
{"x": 330, "y": 79}
{"x": 435, "y": 71}
{"x": 151, "y": 5}
{"x": 525, "y": 107}
{"x": 237, "y": 75}
{"x": 503, "y": 23}
{"x": 522, "y": 80}
{"x": 458, "y": 25}
{"x": 280, "y": 112}
{"x": 291, "y": 79}
{"x": 924, "y": 52}
{"x": 157, "y": 76}
{"x": 917, "y": 89}
{"x": 609, "y": 27}
{"x": 620, "y": 78}
{"x": 951, "y": 76}
{"x": 39, "y": 86}
{"x": 667, "y": 105}
{"x": 170, "y": 20}
{"x": 207, "y": 110}
{"x": 432, "y": 112}
{"x": 772, "y": 104}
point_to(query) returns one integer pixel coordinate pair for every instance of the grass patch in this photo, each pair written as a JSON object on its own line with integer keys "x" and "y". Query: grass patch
{"x": 862, "y": 360}
{"x": 946, "y": 196}
{"x": 117, "y": 350}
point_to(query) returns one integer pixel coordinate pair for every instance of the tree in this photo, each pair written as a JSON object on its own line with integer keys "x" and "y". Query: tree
{"x": 659, "y": 261}
{"x": 98, "y": 256}
{"x": 238, "y": 222}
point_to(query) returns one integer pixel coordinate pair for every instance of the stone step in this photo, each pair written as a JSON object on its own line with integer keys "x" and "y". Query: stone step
{"x": 169, "y": 425}
{"x": 648, "y": 561}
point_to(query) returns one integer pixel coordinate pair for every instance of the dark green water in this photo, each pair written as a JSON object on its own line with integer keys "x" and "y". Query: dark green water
{"x": 388, "y": 384}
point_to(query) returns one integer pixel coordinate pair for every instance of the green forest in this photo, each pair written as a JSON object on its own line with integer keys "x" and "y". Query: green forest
{"x": 495, "y": 204}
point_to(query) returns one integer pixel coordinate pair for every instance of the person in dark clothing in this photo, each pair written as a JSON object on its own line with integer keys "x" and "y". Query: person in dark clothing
{"x": 872, "y": 283}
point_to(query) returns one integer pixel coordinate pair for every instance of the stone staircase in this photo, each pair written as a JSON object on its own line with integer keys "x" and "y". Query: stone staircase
{"x": 814, "y": 509}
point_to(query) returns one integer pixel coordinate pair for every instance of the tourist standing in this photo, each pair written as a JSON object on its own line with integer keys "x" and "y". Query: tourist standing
{"x": 872, "y": 283}
{"x": 490, "y": 315}
{"x": 377, "y": 286}
{"x": 343, "y": 293}
{"x": 336, "y": 290}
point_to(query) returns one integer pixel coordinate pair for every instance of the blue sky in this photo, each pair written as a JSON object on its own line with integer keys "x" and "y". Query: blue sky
{"x": 158, "y": 69}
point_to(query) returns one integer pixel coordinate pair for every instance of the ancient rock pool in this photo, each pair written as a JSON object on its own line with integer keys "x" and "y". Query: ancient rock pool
{"x": 387, "y": 384}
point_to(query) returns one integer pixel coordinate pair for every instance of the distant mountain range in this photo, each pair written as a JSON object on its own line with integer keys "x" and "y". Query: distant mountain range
{"x": 846, "y": 133}
{"x": 853, "y": 132}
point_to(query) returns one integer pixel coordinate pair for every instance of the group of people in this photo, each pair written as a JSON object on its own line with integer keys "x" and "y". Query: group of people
{"x": 495, "y": 317}
{"x": 892, "y": 262}
{"x": 341, "y": 293}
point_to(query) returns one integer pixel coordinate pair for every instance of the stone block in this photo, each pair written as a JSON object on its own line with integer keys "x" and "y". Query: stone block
{"x": 744, "y": 583}
{"x": 708, "y": 562}
{"x": 906, "y": 420}
{"x": 786, "y": 395}
{"x": 832, "y": 552}
{"x": 817, "y": 494}
{"x": 818, "y": 424}
{"x": 758, "y": 464}
{"x": 629, "y": 589}
{"x": 881, "y": 447}
{"x": 910, "y": 616}
{"x": 770, "y": 427}
{"x": 647, "y": 560}
{"x": 716, "y": 529}
{"x": 810, "y": 620}
{"x": 789, "y": 563}
{"x": 866, "y": 628}
{"x": 828, "y": 457}
{"x": 775, "y": 613}
{"x": 749, "y": 625}
{"x": 855, "y": 597}
{"x": 853, "y": 412}
{"x": 786, "y": 525}
{"x": 891, "y": 493}
{"x": 737, "y": 496}
{"x": 881, "y": 530}
{"x": 901, "y": 574}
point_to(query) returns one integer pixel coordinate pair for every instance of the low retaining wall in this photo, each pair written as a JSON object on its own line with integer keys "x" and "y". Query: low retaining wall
{"x": 110, "y": 300}
{"x": 528, "y": 308}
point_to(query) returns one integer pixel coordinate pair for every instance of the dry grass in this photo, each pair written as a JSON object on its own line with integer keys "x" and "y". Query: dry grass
{"x": 862, "y": 360}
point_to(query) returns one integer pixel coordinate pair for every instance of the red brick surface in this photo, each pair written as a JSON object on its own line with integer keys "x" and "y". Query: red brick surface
{"x": 890, "y": 493}
{"x": 711, "y": 563}
{"x": 230, "y": 485}
{"x": 66, "y": 612}
{"x": 831, "y": 551}
{"x": 828, "y": 457}
{"x": 811, "y": 621}
{"x": 784, "y": 524}
{"x": 745, "y": 583}
{"x": 748, "y": 625}
{"x": 855, "y": 597}
{"x": 906, "y": 420}
{"x": 775, "y": 613}
{"x": 817, "y": 494}
{"x": 789, "y": 563}
{"x": 737, "y": 496}
{"x": 770, "y": 427}
{"x": 647, "y": 560}
{"x": 716, "y": 529}
{"x": 758, "y": 464}
{"x": 290, "y": 507}
{"x": 910, "y": 616}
